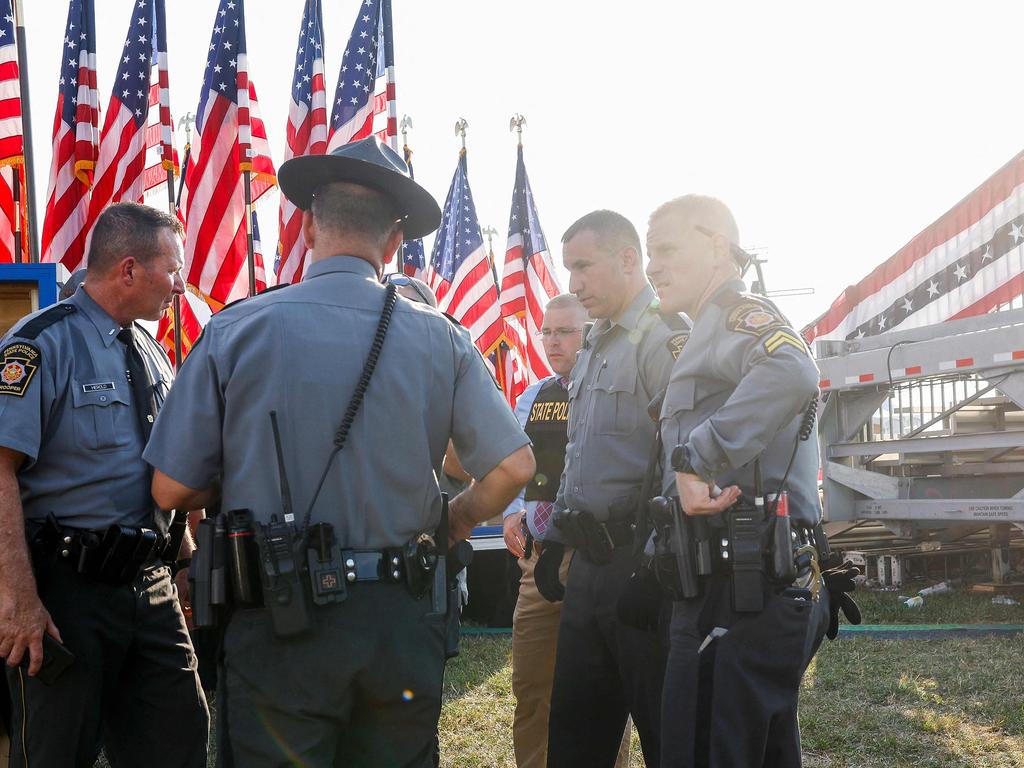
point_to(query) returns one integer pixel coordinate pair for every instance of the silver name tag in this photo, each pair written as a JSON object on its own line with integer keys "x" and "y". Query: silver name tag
{"x": 102, "y": 386}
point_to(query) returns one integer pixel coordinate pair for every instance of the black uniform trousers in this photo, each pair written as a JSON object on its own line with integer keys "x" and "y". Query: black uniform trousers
{"x": 604, "y": 671}
{"x": 362, "y": 689}
{"x": 133, "y": 688}
{"x": 735, "y": 703}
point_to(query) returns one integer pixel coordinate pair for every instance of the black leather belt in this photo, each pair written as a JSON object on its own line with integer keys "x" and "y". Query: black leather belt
{"x": 115, "y": 555}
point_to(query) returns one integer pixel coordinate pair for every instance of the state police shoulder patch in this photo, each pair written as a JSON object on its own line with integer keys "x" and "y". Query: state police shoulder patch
{"x": 19, "y": 362}
{"x": 754, "y": 318}
{"x": 676, "y": 343}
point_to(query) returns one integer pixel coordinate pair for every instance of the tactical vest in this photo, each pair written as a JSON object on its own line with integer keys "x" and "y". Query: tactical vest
{"x": 546, "y": 427}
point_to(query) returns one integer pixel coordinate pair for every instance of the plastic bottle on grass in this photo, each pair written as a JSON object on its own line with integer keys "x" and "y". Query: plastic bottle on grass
{"x": 913, "y": 602}
{"x": 938, "y": 589}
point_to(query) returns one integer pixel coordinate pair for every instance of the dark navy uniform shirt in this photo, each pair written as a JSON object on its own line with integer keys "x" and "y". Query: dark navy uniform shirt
{"x": 65, "y": 402}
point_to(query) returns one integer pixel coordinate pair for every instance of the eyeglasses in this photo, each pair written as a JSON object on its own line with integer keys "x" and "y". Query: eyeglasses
{"x": 397, "y": 278}
{"x": 564, "y": 333}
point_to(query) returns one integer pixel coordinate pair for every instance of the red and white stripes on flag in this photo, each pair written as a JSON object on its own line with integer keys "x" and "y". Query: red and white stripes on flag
{"x": 306, "y": 135}
{"x": 529, "y": 279}
{"x": 13, "y": 229}
{"x": 966, "y": 263}
{"x": 75, "y": 142}
{"x": 230, "y": 139}
{"x": 121, "y": 163}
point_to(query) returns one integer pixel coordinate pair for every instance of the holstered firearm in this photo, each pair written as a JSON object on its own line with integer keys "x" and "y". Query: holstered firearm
{"x": 674, "y": 551}
{"x": 175, "y": 536}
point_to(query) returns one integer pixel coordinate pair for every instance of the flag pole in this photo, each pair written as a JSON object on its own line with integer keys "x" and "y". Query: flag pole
{"x": 247, "y": 184}
{"x": 26, "y": 123}
{"x": 173, "y": 199}
{"x": 16, "y": 194}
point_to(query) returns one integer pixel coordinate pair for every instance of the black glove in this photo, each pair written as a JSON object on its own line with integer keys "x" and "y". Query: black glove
{"x": 545, "y": 573}
{"x": 839, "y": 581}
{"x": 641, "y": 601}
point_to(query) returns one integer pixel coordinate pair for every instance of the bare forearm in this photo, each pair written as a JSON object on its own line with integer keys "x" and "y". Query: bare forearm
{"x": 490, "y": 496}
{"x": 15, "y": 566}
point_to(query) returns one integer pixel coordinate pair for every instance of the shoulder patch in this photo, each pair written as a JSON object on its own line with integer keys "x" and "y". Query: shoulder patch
{"x": 41, "y": 322}
{"x": 676, "y": 343}
{"x": 781, "y": 338}
{"x": 754, "y": 318}
{"x": 19, "y": 362}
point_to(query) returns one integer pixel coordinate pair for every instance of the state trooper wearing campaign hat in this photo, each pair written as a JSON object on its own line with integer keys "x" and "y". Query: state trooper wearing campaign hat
{"x": 321, "y": 409}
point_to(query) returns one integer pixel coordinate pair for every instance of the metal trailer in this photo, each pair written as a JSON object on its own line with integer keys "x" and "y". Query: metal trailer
{"x": 923, "y": 432}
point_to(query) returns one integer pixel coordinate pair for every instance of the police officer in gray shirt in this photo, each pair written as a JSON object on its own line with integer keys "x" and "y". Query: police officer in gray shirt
{"x": 80, "y": 386}
{"x": 361, "y": 685}
{"x": 735, "y": 406}
{"x": 605, "y": 670}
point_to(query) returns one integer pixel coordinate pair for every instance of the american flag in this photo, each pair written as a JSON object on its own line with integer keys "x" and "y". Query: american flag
{"x": 13, "y": 229}
{"x": 529, "y": 280}
{"x": 195, "y": 314}
{"x": 161, "y": 152}
{"x": 75, "y": 142}
{"x": 307, "y": 135}
{"x": 508, "y": 371}
{"x": 230, "y": 138}
{"x": 414, "y": 262}
{"x": 461, "y": 275}
{"x": 966, "y": 263}
{"x": 364, "y": 101}
{"x": 121, "y": 165}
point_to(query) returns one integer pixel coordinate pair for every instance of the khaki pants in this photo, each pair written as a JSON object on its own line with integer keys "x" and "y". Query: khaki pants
{"x": 534, "y": 641}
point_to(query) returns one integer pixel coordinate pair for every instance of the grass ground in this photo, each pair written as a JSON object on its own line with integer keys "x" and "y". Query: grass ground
{"x": 866, "y": 702}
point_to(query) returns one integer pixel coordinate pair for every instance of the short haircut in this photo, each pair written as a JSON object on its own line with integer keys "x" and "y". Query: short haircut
{"x": 708, "y": 212}
{"x": 565, "y": 301}
{"x": 612, "y": 229}
{"x": 127, "y": 229}
{"x": 349, "y": 209}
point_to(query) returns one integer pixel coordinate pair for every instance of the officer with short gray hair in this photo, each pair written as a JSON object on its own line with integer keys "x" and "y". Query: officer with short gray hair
{"x": 351, "y": 394}
{"x": 80, "y": 385}
{"x": 738, "y": 414}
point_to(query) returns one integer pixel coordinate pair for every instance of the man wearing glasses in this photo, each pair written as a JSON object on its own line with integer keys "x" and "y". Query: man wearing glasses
{"x": 543, "y": 412}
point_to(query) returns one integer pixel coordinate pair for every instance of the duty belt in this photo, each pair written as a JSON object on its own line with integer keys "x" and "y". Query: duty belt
{"x": 115, "y": 555}
{"x": 595, "y": 539}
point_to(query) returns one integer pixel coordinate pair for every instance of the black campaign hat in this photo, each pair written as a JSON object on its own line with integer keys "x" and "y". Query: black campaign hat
{"x": 369, "y": 163}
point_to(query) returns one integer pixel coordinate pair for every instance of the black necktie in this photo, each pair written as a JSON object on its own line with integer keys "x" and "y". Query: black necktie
{"x": 142, "y": 384}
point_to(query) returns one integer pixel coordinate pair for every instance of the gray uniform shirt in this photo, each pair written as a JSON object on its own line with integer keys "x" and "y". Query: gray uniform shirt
{"x": 622, "y": 367}
{"x": 299, "y": 351}
{"x": 738, "y": 392}
{"x": 75, "y": 420}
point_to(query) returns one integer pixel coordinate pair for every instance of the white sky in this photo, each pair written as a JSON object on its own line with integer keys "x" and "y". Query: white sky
{"x": 834, "y": 131}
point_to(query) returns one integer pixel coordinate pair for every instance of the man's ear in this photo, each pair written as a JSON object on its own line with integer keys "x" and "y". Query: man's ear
{"x": 394, "y": 242}
{"x": 308, "y": 233}
{"x": 722, "y": 249}
{"x": 128, "y": 269}
{"x": 630, "y": 259}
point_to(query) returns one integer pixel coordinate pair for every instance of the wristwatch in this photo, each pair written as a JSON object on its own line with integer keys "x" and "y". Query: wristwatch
{"x": 681, "y": 463}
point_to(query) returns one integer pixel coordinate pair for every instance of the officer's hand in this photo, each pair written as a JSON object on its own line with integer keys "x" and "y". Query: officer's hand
{"x": 184, "y": 593}
{"x": 460, "y": 527}
{"x": 546, "y": 573}
{"x": 695, "y": 496}
{"x": 513, "y": 528}
{"x": 23, "y": 620}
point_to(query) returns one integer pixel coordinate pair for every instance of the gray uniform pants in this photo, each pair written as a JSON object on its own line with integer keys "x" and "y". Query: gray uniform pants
{"x": 604, "y": 671}
{"x": 363, "y": 689}
{"x": 132, "y": 689}
{"x": 735, "y": 703}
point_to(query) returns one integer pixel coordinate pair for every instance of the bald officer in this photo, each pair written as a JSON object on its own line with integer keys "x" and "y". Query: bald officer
{"x": 81, "y": 383}
{"x": 353, "y": 680}
{"x": 735, "y": 405}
